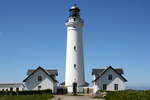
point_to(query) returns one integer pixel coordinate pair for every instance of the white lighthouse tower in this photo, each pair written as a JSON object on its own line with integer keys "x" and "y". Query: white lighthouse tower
{"x": 74, "y": 76}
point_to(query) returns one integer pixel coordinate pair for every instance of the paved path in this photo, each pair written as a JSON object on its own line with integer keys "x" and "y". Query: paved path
{"x": 73, "y": 98}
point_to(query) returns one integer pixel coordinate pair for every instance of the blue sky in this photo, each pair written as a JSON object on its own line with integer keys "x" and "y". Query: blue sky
{"x": 116, "y": 33}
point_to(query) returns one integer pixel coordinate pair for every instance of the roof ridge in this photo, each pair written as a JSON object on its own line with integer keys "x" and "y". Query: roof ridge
{"x": 35, "y": 71}
{"x": 102, "y": 73}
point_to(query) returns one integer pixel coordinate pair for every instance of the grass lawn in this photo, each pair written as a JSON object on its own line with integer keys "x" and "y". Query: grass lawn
{"x": 126, "y": 95}
{"x": 98, "y": 97}
{"x": 26, "y": 97}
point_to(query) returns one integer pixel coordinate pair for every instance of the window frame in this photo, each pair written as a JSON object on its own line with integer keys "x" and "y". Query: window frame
{"x": 75, "y": 48}
{"x": 116, "y": 86}
{"x": 11, "y": 88}
{"x": 104, "y": 86}
{"x": 40, "y": 78}
{"x": 110, "y": 77}
{"x": 17, "y": 89}
{"x": 75, "y": 66}
{"x": 39, "y": 87}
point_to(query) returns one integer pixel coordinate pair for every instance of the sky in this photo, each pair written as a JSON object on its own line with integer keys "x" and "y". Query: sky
{"x": 116, "y": 33}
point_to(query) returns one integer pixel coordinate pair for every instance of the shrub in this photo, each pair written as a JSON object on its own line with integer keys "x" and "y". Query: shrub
{"x": 26, "y": 97}
{"x": 128, "y": 95}
{"x": 27, "y": 92}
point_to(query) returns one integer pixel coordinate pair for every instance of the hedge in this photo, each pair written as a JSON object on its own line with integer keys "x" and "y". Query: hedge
{"x": 26, "y": 97}
{"x": 27, "y": 92}
{"x": 128, "y": 95}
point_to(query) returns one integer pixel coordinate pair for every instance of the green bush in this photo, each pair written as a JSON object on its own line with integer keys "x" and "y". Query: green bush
{"x": 98, "y": 97}
{"x": 26, "y": 97}
{"x": 128, "y": 95}
{"x": 27, "y": 92}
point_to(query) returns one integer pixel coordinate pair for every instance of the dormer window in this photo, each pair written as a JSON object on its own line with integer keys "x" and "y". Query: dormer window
{"x": 109, "y": 77}
{"x": 39, "y": 78}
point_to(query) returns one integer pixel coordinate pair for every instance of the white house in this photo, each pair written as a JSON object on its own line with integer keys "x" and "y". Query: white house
{"x": 109, "y": 79}
{"x": 41, "y": 79}
{"x": 11, "y": 87}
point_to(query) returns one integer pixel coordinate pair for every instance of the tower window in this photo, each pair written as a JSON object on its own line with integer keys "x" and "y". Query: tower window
{"x": 75, "y": 66}
{"x": 75, "y": 48}
{"x": 109, "y": 77}
{"x": 39, "y": 78}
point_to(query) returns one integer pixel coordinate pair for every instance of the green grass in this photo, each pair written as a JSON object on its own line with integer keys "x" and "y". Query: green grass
{"x": 98, "y": 97}
{"x": 128, "y": 95}
{"x": 26, "y": 97}
{"x": 125, "y": 95}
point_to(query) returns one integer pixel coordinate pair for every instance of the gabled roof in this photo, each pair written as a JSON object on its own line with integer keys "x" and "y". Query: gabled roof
{"x": 45, "y": 71}
{"x": 99, "y": 71}
{"x": 49, "y": 71}
{"x": 115, "y": 70}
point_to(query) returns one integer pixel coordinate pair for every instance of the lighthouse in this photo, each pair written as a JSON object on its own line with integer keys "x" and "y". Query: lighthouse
{"x": 74, "y": 76}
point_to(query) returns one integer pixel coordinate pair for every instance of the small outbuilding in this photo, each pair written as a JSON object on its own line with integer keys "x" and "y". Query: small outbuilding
{"x": 11, "y": 86}
{"x": 41, "y": 79}
{"x": 109, "y": 78}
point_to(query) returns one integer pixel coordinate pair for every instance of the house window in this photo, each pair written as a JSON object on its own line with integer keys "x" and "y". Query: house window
{"x": 17, "y": 89}
{"x": 104, "y": 86}
{"x": 39, "y": 78}
{"x": 109, "y": 77}
{"x": 11, "y": 89}
{"x": 74, "y": 19}
{"x": 39, "y": 87}
{"x": 115, "y": 86}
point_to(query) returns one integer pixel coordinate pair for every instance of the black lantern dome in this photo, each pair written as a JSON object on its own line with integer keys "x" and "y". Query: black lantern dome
{"x": 74, "y": 11}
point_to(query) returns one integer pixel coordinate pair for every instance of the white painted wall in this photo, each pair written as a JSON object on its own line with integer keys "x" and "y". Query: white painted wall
{"x": 116, "y": 79}
{"x": 7, "y": 86}
{"x": 32, "y": 82}
{"x": 74, "y": 38}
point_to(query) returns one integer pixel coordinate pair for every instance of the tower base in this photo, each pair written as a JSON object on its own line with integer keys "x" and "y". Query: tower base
{"x": 79, "y": 89}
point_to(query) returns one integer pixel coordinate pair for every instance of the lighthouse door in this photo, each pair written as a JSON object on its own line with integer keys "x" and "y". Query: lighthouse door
{"x": 74, "y": 88}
